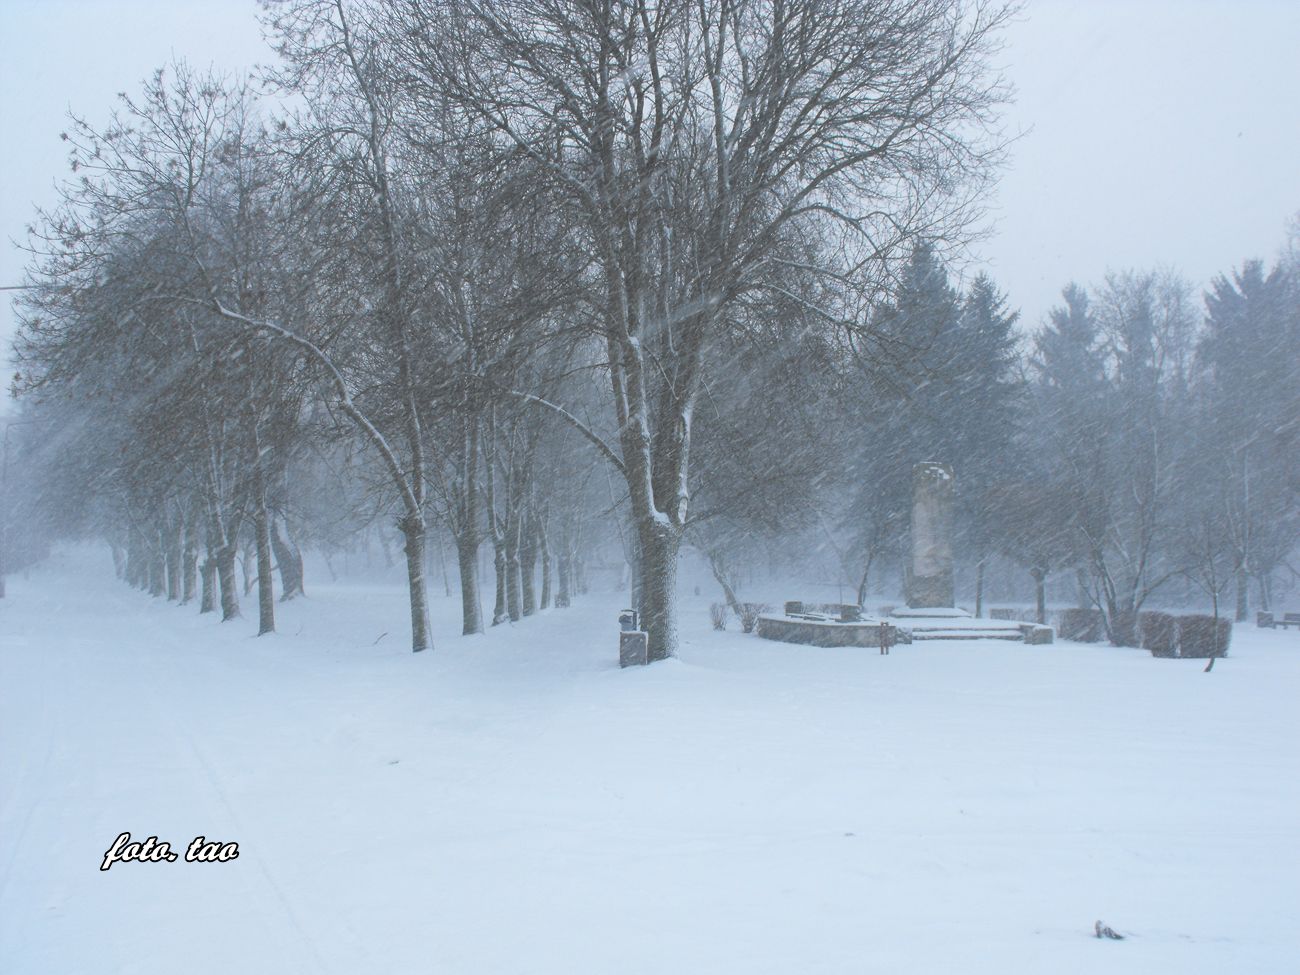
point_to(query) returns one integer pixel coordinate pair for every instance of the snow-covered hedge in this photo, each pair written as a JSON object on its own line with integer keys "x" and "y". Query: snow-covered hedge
{"x": 1197, "y": 636}
{"x": 1083, "y": 625}
{"x": 1159, "y": 633}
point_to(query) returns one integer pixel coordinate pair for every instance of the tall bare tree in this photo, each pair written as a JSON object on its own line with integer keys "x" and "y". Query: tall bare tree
{"x": 690, "y": 140}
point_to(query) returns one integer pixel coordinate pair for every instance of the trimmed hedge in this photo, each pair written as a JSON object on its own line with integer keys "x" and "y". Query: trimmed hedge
{"x": 1083, "y": 625}
{"x": 1158, "y": 633}
{"x": 1197, "y": 636}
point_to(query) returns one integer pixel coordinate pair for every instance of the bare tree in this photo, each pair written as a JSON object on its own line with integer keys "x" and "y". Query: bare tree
{"x": 689, "y": 139}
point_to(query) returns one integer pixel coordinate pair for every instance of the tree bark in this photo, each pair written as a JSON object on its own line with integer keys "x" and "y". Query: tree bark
{"x": 173, "y": 535}
{"x": 442, "y": 564}
{"x": 544, "y": 554}
{"x": 208, "y": 572}
{"x": 1040, "y": 595}
{"x": 467, "y": 560}
{"x": 862, "y": 584}
{"x": 158, "y": 568}
{"x": 513, "y": 580}
{"x": 660, "y": 544}
{"x": 528, "y": 569}
{"x": 189, "y": 565}
{"x": 1123, "y": 625}
{"x": 499, "y": 614}
{"x": 247, "y": 563}
{"x": 262, "y": 540}
{"x": 289, "y": 558}
{"x": 728, "y": 591}
{"x": 562, "y": 593}
{"x": 228, "y": 582}
{"x": 135, "y": 562}
{"x": 414, "y": 532}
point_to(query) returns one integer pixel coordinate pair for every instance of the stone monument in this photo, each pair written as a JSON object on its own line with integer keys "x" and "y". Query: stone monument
{"x": 929, "y": 577}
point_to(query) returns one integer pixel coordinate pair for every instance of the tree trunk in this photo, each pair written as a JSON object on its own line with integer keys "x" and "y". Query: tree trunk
{"x": 134, "y": 561}
{"x": 562, "y": 594}
{"x": 208, "y": 572}
{"x": 189, "y": 567}
{"x": 660, "y": 544}
{"x": 247, "y": 564}
{"x": 157, "y": 570}
{"x": 862, "y": 584}
{"x": 514, "y": 578}
{"x": 289, "y": 557}
{"x": 1243, "y": 594}
{"x": 172, "y": 558}
{"x": 1040, "y": 595}
{"x": 414, "y": 531}
{"x": 1123, "y": 625}
{"x": 228, "y": 582}
{"x": 442, "y": 564}
{"x": 728, "y": 590}
{"x": 528, "y": 570}
{"x": 545, "y": 556}
{"x": 467, "y": 560}
{"x": 514, "y": 607}
{"x": 1081, "y": 582}
{"x": 262, "y": 540}
{"x": 1214, "y": 643}
{"x": 636, "y": 579}
{"x": 499, "y": 566}
{"x": 979, "y": 589}
{"x": 177, "y": 554}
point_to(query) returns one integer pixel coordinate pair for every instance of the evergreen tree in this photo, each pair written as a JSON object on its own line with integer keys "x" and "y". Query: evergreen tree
{"x": 953, "y": 400}
{"x": 898, "y": 414}
{"x": 1062, "y": 445}
{"x": 988, "y": 395}
{"x": 1249, "y": 378}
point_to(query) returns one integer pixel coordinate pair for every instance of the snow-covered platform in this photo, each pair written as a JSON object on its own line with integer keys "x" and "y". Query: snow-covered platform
{"x": 948, "y": 623}
{"x": 900, "y": 626}
{"x": 822, "y": 631}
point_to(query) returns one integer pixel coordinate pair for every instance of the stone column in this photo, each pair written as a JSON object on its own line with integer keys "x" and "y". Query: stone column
{"x": 929, "y": 581}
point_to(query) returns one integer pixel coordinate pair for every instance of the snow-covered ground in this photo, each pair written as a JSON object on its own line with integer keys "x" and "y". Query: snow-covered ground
{"x": 516, "y": 804}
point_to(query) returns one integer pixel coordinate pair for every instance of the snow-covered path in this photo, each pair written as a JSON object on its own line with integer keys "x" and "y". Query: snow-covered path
{"x": 515, "y": 803}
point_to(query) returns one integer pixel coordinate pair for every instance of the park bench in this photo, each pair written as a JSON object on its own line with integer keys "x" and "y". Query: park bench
{"x": 1270, "y": 622}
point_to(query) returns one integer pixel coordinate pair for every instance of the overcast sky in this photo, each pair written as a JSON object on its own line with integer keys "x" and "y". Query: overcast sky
{"x": 1158, "y": 132}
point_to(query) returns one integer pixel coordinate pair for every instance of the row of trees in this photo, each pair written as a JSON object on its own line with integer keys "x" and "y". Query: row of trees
{"x": 543, "y": 279}
{"x": 467, "y": 252}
